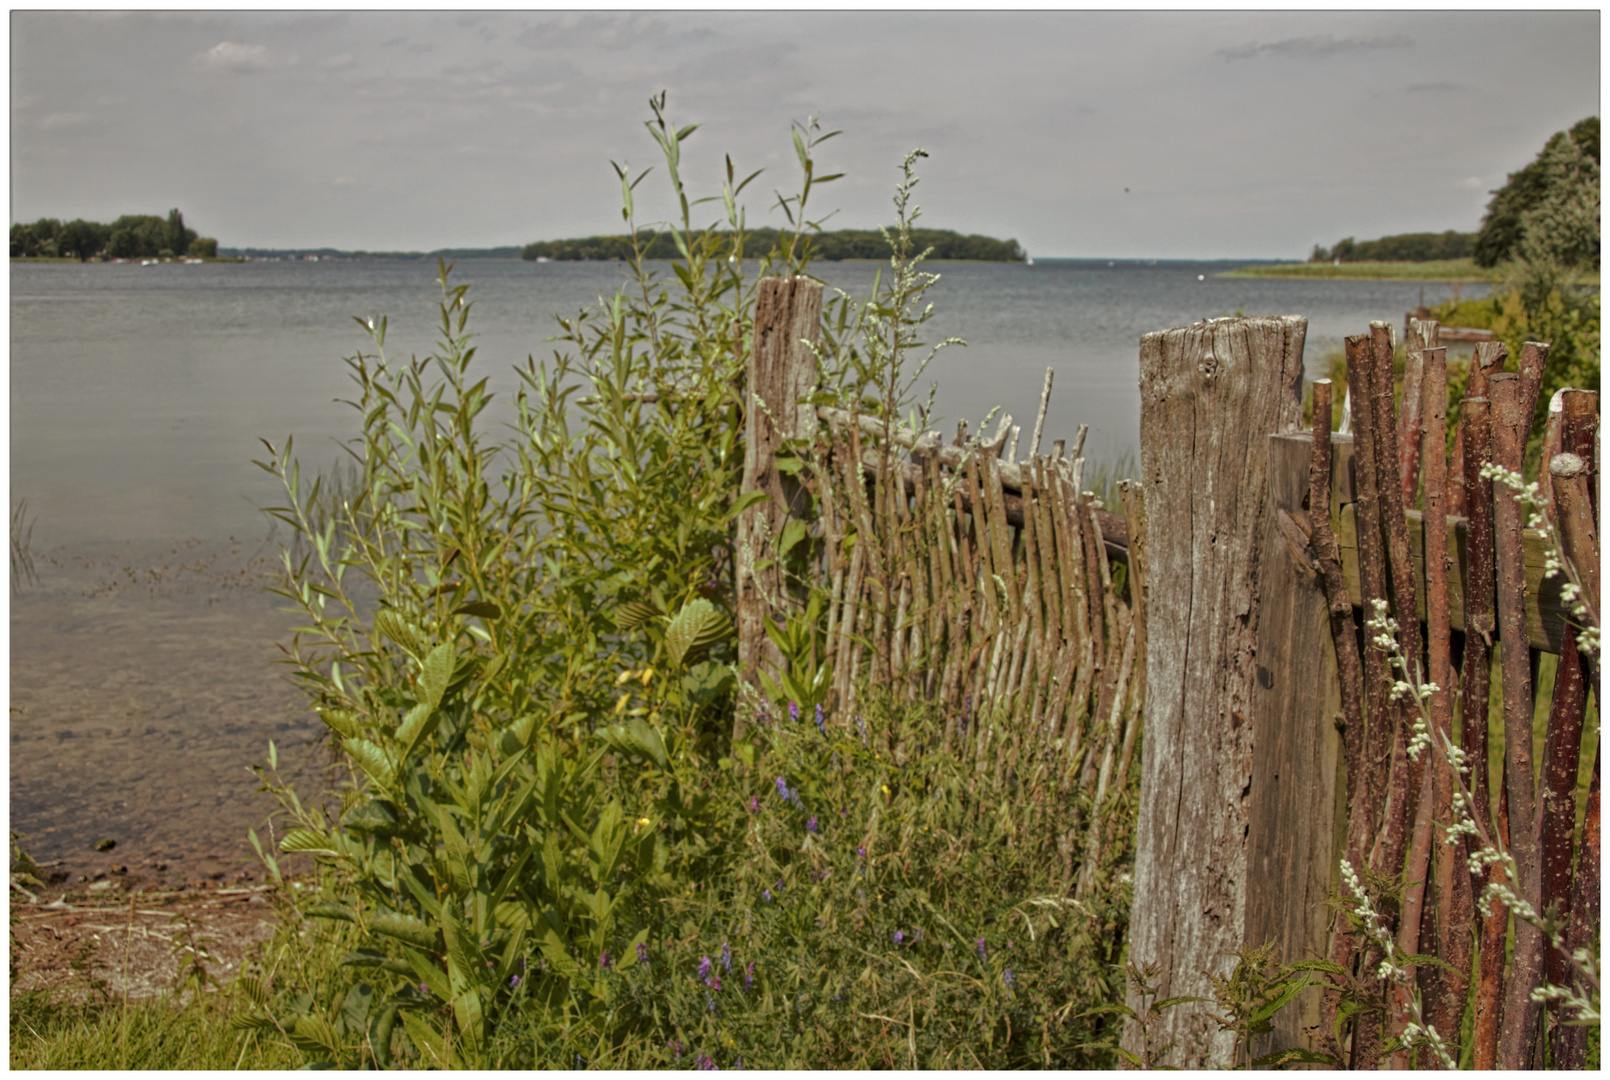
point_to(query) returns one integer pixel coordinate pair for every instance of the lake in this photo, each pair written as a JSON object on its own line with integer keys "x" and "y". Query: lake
{"x": 143, "y": 680}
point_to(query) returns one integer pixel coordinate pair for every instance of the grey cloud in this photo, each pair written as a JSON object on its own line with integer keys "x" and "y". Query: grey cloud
{"x": 230, "y": 58}
{"x": 58, "y": 120}
{"x": 1315, "y": 45}
{"x": 1431, "y": 87}
{"x": 571, "y": 31}
{"x": 338, "y": 62}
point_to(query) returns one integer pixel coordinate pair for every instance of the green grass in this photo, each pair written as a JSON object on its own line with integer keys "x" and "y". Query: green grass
{"x": 50, "y": 1031}
{"x": 1442, "y": 270}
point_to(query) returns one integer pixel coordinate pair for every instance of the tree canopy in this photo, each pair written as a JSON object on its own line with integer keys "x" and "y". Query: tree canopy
{"x": 830, "y": 246}
{"x": 1405, "y": 247}
{"x": 1553, "y": 201}
{"x": 132, "y": 236}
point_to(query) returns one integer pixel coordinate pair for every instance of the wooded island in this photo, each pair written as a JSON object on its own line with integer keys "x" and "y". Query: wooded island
{"x": 831, "y": 246}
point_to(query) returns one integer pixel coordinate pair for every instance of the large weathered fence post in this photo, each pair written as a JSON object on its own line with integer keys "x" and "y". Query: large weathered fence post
{"x": 1211, "y": 394}
{"x": 782, "y": 370}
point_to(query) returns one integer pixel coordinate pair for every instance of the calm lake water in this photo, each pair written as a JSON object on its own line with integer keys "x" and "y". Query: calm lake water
{"x": 142, "y": 677}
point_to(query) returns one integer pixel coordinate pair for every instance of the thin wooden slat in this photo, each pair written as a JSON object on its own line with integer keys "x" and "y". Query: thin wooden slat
{"x": 1545, "y": 613}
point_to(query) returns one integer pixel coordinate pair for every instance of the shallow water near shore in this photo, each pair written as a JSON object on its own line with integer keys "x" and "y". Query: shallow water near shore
{"x": 144, "y": 679}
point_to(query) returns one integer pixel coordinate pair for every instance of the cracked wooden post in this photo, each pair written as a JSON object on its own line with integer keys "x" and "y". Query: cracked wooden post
{"x": 1211, "y": 394}
{"x": 782, "y": 370}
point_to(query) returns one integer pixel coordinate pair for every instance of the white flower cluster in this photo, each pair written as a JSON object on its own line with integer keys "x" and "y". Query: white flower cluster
{"x": 1554, "y": 561}
{"x": 1416, "y": 1031}
{"x": 1407, "y": 687}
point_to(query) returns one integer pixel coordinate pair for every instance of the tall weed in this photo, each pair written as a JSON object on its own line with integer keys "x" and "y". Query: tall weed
{"x": 523, "y": 651}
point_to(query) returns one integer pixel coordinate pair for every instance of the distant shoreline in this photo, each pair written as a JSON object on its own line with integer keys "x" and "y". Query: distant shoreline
{"x": 1441, "y": 270}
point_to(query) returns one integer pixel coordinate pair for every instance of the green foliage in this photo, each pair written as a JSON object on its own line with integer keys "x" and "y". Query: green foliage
{"x": 53, "y": 1031}
{"x": 523, "y": 650}
{"x": 828, "y": 246}
{"x": 1550, "y": 192}
{"x": 132, "y": 236}
{"x": 1565, "y": 317}
{"x": 1258, "y": 989}
{"x": 1405, "y": 247}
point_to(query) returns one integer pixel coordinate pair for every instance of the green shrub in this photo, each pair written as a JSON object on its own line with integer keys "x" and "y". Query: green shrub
{"x": 542, "y": 825}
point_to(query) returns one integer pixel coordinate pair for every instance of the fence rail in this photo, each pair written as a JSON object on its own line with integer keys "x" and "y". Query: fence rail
{"x": 994, "y": 590}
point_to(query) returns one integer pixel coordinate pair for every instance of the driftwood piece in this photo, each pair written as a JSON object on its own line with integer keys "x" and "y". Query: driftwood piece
{"x": 1210, "y": 395}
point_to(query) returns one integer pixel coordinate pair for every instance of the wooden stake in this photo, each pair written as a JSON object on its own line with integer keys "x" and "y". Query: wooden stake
{"x": 1510, "y": 424}
{"x": 1445, "y": 989}
{"x": 1571, "y": 1043}
{"x": 1039, "y": 420}
{"x": 782, "y": 370}
{"x": 1405, "y": 774}
{"x": 1344, "y": 635}
{"x": 1372, "y": 586}
{"x": 1422, "y": 335}
{"x": 1489, "y": 1012}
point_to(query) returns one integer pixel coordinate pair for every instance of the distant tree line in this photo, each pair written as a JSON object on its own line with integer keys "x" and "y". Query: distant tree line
{"x": 831, "y": 246}
{"x": 450, "y": 254}
{"x": 1405, "y": 247}
{"x": 132, "y": 236}
{"x": 1548, "y": 210}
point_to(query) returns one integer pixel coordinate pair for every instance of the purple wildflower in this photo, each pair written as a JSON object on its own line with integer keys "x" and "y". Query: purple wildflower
{"x": 767, "y": 894}
{"x": 704, "y": 968}
{"x": 642, "y": 953}
{"x": 706, "y": 1064}
{"x": 675, "y": 1047}
{"x": 709, "y": 1001}
{"x": 793, "y": 711}
{"x": 749, "y": 977}
{"x": 605, "y": 960}
{"x": 514, "y": 980}
{"x": 782, "y": 787}
{"x": 1009, "y": 979}
{"x": 821, "y": 724}
{"x": 810, "y": 825}
{"x": 726, "y": 958}
{"x": 754, "y": 805}
{"x": 981, "y": 953}
{"x": 423, "y": 989}
{"x": 860, "y": 852}
{"x": 899, "y": 938}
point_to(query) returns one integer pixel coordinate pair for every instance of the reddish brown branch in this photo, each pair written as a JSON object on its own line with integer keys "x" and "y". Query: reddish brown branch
{"x": 1489, "y": 1014}
{"x": 1364, "y": 822}
{"x": 1571, "y": 1043}
{"x": 1422, "y": 335}
{"x": 1344, "y": 634}
{"x": 1511, "y": 422}
{"x": 1445, "y": 989}
{"x": 1405, "y": 774}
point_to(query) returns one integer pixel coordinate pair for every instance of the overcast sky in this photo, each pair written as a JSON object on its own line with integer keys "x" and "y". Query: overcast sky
{"x": 1161, "y": 135}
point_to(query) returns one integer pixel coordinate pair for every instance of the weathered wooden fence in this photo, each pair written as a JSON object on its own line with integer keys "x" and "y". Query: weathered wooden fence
{"x": 948, "y": 573}
{"x": 1272, "y": 746}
